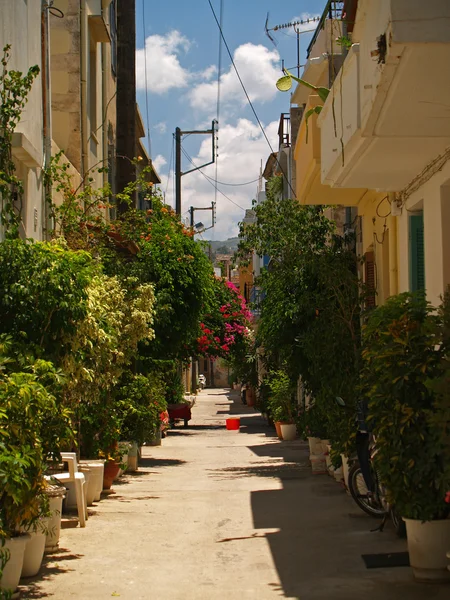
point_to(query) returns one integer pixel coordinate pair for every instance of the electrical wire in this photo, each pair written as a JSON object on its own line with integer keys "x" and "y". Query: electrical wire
{"x": 219, "y": 74}
{"x": 231, "y": 184}
{"x": 146, "y": 85}
{"x": 248, "y": 97}
{"x": 210, "y": 182}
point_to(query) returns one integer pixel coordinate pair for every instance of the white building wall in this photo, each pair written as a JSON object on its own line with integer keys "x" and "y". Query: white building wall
{"x": 20, "y": 26}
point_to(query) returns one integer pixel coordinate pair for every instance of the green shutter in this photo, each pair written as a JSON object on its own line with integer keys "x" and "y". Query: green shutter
{"x": 417, "y": 255}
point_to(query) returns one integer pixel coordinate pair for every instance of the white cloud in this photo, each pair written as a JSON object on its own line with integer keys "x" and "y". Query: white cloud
{"x": 164, "y": 70}
{"x": 259, "y": 70}
{"x": 160, "y": 127}
{"x": 159, "y": 162}
{"x": 242, "y": 147}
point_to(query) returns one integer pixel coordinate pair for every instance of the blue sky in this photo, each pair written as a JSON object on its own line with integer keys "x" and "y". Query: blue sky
{"x": 182, "y": 53}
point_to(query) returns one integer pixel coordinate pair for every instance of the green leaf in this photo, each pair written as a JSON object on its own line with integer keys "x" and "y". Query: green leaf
{"x": 284, "y": 84}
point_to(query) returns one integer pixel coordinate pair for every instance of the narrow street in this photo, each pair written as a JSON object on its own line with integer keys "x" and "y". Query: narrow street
{"x": 217, "y": 514}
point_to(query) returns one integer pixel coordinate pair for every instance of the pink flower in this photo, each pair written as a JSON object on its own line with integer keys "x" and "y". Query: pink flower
{"x": 447, "y": 497}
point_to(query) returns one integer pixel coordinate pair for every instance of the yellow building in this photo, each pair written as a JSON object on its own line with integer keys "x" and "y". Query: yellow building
{"x": 382, "y": 141}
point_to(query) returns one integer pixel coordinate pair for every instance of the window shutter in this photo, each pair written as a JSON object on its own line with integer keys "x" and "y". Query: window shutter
{"x": 417, "y": 254}
{"x": 369, "y": 279}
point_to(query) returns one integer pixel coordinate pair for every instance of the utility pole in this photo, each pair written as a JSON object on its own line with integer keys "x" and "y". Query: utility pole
{"x": 178, "y": 172}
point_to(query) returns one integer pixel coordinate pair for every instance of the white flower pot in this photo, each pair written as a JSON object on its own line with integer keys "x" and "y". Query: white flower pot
{"x": 90, "y": 487}
{"x": 324, "y": 444}
{"x": 133, "y": 457}
{"x": 288, "y": 431}
{"x": 315, "y": 445}
{"x": 428, "y": 544}
{"x": 34, "y": 551}
{"x": 338, "y": 474}
{"x": 97, "y": 468}
{"x": 13, "y": 568}
{"x": 54, "y": 523}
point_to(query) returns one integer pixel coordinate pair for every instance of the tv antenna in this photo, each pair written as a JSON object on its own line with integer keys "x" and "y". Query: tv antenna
{"x": 296, "y": 26}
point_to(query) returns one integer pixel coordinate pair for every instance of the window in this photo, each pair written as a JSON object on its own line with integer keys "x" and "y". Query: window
{"x": 113, "y": 32}
{"x": 416, "y": 253}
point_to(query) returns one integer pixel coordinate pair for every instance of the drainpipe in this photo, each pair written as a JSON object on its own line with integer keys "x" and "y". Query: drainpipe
{"x": 47, "y": 224}
{"x": 104, "y": 128}
{"x": 393, "y": 263}
{"x": 84, "y": 51}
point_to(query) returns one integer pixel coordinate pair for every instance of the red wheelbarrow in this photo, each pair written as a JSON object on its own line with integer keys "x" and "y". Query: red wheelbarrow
{"x": 179, "y": 412}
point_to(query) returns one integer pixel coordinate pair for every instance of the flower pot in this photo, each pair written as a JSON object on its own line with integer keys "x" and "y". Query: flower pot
{"x": 13, "y": 568}
{"x": 338, "y": 474}
{"x": 315, "y": 445}
{"x": 278, "y": 429}
{"x": 56, "y": 494}
{"x": 97, "y": 468}
{"x": 34, "y": 550}
{"x": 111, "y": 471}
{"x": 133, "y": 457}
{"x": 324, "y": 444}
{"x": 428, "y": 544}
{"x": 250, "y": 397}
{"x": 90, "y": 486}
{"x": 122, "y": 469}
{"x": 288, "y": 431}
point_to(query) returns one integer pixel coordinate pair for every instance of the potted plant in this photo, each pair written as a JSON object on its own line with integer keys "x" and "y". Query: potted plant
{"x": 406, "y": 379}
{"x": 281, "y": 405}
{"x": 26, "y": 430}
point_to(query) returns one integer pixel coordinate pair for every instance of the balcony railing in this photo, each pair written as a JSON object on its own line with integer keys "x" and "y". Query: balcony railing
{"x": 284, "y": 130}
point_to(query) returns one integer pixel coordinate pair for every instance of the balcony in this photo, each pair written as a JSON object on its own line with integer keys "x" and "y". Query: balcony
{"x": 387, "y": 117}
{"x": 310, "y": 190}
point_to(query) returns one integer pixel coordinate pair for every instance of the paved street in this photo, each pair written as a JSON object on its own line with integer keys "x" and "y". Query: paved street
{"x": 217, "y": 515}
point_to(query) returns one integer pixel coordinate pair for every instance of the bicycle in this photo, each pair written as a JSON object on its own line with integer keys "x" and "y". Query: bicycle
{"x": 364, "y": 483}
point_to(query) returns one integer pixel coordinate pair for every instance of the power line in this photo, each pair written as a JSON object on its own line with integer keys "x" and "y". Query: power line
{"x": 248, "y": 98}
{"x": 210, "y": 180}
{"x": 146, "y": 86}
{"x": 232, "y": 184}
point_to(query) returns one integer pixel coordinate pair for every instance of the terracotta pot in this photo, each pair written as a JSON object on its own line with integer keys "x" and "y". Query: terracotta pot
{"x": 112, "y": 469}
{"x": 278, "y": 429}
{"x": 428, "y": 544}
{"x": 250, "y": 397}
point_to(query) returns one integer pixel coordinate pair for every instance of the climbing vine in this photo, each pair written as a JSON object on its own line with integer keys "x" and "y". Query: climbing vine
{"x": 14, "y": 89}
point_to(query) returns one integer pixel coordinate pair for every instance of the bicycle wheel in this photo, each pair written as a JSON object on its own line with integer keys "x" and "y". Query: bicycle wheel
{"x": 369, "y": 503}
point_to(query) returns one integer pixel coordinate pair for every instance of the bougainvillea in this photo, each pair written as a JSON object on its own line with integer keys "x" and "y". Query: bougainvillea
{"x": 226, "y": 324}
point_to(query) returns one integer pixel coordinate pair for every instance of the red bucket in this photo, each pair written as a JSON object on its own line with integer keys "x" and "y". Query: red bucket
{"x": 233, "y": 424}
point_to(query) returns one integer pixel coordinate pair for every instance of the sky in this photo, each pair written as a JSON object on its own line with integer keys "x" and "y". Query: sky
{"x": 177, "y": 86}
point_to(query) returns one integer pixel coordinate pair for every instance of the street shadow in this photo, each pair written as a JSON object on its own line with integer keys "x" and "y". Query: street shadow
{"x": 161, "y": 462}
{"x": 204, "y": 427}
{"x": 317, "y": 547}
{"x": 52, "y": 566}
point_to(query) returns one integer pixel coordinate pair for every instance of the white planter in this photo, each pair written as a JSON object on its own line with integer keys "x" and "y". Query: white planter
{"x": 428, "y": 544}
{"x": 288, "y": 431}
{"x": 13, "y": 568}
{"x": 315, "y": 445}
{"x": 133, "y": 457}
{"x": 54, "y": 523}
{"x": 34, "y": 551}
{"x": 90, "y": 487}
{"x": 325, "y": 444}
{"x": 97, "y": 468}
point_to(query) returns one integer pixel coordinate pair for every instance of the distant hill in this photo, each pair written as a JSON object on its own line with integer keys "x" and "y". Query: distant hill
{"x": 228, "y": 246}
